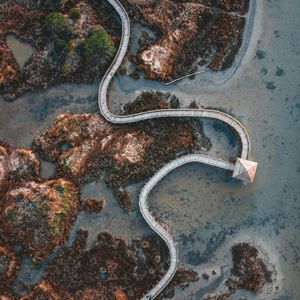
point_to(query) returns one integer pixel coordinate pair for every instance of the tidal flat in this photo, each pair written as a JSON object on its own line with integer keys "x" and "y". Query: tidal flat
{"x": 206, "y": 210}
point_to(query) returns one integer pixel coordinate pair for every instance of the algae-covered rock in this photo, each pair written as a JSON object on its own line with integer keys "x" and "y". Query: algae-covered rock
{"x": 39, "y": 215}
{"x": 16, "y": 164}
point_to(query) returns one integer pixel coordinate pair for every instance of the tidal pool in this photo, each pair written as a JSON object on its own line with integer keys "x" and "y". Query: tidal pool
{"x": 21, "y": 50}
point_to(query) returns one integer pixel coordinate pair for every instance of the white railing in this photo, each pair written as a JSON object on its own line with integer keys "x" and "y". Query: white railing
{"x": 163, "y": 113}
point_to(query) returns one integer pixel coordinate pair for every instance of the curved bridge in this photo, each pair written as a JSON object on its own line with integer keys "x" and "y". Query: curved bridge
{"x": 243, "y": 168}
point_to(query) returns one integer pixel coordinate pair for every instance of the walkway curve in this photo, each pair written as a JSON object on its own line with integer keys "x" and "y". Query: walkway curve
{"x": 199, "y": 113}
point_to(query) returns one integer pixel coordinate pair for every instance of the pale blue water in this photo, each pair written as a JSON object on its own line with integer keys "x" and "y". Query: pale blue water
{"x": 207, "y": 210}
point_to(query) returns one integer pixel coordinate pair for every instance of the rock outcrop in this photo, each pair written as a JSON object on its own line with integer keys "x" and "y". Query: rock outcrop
{"x": 73, "y": 41}
{"x": 34, "y": 213}
{"x": 111, "y": 269}
{"x": 86, "y": 145}
{"x": 93, "y": 205}
{"x": 188, "y": 33}
{"x": 39, "y": 215}
{"x": 16, "y": 164}
{"x": 249, "y": 272}
{"x": 250, "y": 269}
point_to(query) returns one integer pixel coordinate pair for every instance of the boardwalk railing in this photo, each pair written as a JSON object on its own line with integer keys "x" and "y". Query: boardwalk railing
{"x": 163, "y": 113}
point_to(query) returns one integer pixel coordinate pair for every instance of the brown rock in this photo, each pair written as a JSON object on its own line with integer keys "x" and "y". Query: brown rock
{"x": 93, "y": 205}
{"x": 177, "y": 30}
{"x": 120, "y": 295}
{"x": 5, "y": 295}
{"x": 16, "y": 164}
{"x": 39, "y": 215}
{"x": 193, "y": 105}
{"x": 126, "y": 153}
{"x": 186, "y": 32}
{"x": 252, "y": 272}
{"x": 44, "y": 290}
{"x": 205, "y": 276}
{"x": 124, "y": 199}
{"x": 111, "y": 269}
{"x": 249, "y": 272}
{"x": 9, "y": 264}
{"x": 147, "y": 101}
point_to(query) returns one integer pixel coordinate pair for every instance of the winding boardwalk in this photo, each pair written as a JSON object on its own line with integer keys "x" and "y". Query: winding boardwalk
{"x": 237, "y": 168}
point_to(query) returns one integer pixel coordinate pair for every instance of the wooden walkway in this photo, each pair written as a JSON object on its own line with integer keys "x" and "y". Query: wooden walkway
{"x": 194, "y": 113}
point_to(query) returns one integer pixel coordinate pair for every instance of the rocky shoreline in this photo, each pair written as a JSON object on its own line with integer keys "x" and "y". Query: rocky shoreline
{"x": 73, "y": 42}
{"x": 35, "y": 213}
{"x": 86, "y": 146}
{"x": 38, "y": 214}
{"x": 187, "y": 34}
{"x": 36, "y": 220}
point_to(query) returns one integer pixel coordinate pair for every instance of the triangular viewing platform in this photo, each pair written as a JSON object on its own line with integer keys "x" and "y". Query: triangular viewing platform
{"x": 244, "y": 170}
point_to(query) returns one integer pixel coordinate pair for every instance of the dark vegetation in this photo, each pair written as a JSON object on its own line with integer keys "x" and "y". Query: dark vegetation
{"x": 74, "y": 41}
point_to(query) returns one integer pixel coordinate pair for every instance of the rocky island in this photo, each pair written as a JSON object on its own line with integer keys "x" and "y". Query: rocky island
{"x": 86, "y": 146}
{"x": 35, "y": 213}
{"x": 187, "y": 34}
{"x": 249, "y": 272}
{"x": 73, "y": 41}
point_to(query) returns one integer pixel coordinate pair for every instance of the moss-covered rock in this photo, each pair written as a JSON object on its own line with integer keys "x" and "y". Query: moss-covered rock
{"x": 16, "y": 164}
{"x": 74, "y": 13}
{"x": 39, "y": 215}
{"x": 63, "y": 34}
{"x": 98, "y": 49}
{"x": 56, "y": 25}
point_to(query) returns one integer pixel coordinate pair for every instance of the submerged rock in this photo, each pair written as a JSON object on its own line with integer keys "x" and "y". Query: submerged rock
{"x": 93, "y": 205}
{"x": 124, "y": 199}
{"x": 250, "y": 268}
{"x": 249, "y": 272}
{"x": 111, "y": 269}
{"x": 39, "y": 215}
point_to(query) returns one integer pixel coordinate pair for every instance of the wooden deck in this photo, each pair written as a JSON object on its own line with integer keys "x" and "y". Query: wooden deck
{"x": 164, "y": 113}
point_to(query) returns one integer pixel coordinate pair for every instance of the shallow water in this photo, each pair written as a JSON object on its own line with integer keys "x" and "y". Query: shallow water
{"x": 207, "y": 210}
{"x": 204, "y": 207}
{"x": 22, "y": 51}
